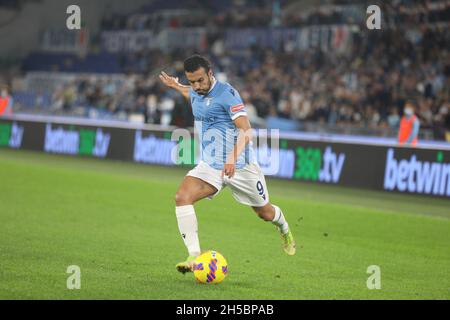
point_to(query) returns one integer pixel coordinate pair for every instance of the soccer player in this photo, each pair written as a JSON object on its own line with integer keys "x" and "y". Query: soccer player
{"x": 219, "y": 111}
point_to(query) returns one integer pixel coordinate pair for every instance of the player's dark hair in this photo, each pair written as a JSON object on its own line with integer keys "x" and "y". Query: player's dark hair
{"x": 195, "y": 62}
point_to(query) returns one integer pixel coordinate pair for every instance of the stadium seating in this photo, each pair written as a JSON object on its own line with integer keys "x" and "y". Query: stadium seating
{"x": 348, "y": 76}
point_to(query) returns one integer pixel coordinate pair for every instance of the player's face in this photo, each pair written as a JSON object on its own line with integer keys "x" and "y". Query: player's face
{"x": 200, "y": 80}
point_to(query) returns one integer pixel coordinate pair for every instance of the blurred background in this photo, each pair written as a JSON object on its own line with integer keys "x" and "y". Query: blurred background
{"x": 82, "y": 111}
{"x": 299, "y": 65}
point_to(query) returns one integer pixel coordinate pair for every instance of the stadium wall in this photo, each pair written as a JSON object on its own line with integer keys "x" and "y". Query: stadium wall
{"x": 378, "y": 167}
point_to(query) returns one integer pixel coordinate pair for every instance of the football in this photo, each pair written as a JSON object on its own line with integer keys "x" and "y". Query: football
{"x": 210, "y": 267}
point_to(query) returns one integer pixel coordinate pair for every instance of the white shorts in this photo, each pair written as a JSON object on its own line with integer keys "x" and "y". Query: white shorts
{"x": 248, "y": 184}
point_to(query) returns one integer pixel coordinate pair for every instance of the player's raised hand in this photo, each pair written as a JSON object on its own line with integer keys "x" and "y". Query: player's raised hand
{"x": 172, "y": 82}
{"x": 169, "y": 81}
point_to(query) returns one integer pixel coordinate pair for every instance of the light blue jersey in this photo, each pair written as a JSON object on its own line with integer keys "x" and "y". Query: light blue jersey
{"x": 214, "y": 114}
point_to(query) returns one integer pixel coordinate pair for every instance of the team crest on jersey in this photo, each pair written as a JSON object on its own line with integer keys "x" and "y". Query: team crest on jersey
{"x": 237, "y": 107}
{"x": 208, "y": 101}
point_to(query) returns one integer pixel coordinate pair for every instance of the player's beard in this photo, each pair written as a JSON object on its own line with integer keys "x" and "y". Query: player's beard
{"x": 205, "y": 92}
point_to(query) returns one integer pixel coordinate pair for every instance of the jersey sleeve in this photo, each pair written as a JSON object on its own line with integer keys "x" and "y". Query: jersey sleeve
{"x": 233, "y": 103}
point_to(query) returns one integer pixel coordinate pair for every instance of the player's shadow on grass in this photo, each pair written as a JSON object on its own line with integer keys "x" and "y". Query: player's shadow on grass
{"x": 226, "y": 284}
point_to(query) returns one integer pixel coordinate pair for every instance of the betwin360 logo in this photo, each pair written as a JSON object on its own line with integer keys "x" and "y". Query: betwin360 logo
{"x": 81, "y": 141}
{"x": 313, "y": 164}
{"x": 413, "y": 175}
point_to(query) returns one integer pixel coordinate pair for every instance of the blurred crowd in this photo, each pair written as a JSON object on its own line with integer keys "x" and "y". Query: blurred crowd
{"x": 263, "y": 13}
{"x": 135, "y": 94}
{"x": 366, "y": 87}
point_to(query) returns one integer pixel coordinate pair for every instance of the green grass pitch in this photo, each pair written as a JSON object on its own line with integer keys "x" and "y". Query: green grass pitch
{"x": 116, "y": 221}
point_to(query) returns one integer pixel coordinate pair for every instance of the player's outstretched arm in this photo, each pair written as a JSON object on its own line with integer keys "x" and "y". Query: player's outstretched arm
{"x": 172, "y": 82}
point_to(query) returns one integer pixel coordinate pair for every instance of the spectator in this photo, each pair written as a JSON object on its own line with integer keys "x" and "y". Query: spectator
{"x": 409, "y": 126}
{"x": 6, "y": 102}
{"x": 393, "y": 118}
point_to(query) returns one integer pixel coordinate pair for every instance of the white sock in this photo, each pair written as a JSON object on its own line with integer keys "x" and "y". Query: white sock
{"x": 280, "y": 221}
{"x": 187, "y": 224}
